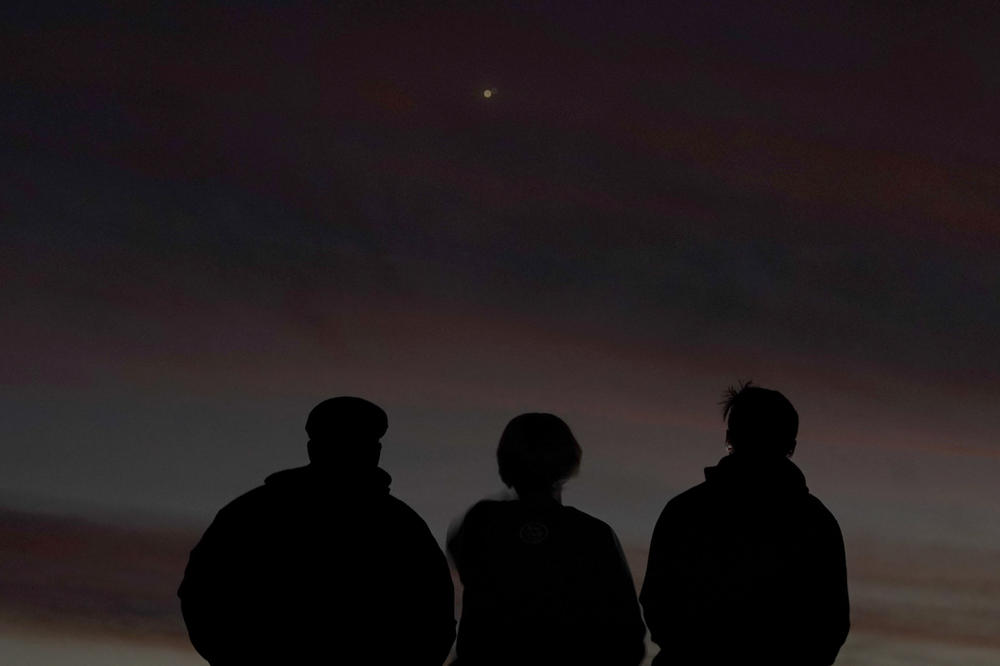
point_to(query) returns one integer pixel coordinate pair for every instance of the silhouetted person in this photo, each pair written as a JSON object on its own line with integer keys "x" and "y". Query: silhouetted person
{"x": 544, "y": 583}
{"x": 748, "y": 567}
{"x": 320, "y": 565}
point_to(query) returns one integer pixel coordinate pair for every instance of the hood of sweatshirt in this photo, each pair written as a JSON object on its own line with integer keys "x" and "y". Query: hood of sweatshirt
{"x": 751, "y": 475}
{"x": 371, "y": 481}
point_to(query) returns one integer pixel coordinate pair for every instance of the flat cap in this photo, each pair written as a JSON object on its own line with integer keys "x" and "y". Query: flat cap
{"x": 346, "y": 417}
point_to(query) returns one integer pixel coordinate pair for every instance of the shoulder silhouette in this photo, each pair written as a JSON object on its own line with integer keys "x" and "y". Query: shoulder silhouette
{"x": 748, "y": 566}
{"x": 543, "y": 583}
{"x": 321, "y": 564}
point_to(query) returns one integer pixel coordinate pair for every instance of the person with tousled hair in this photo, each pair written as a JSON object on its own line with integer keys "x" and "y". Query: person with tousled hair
{"x": 321, "y": 565}
{"x": 544, "y": 583}
{"x": 748, "y": 567}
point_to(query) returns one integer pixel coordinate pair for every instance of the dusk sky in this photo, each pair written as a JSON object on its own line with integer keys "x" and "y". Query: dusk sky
{"x": 216, "y": 214}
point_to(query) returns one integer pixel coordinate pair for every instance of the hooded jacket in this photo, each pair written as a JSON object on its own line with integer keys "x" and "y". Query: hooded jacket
{"x": 747, "y": 567}
{"x": 321, "y": 568}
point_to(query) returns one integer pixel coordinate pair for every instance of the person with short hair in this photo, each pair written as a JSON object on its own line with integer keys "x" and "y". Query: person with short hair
{"x": 748, "y": 567}
{"x": 321, "y": 564}
{"x": 543, "y": 583}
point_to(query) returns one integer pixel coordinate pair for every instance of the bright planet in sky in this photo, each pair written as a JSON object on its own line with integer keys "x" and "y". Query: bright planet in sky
{"x": 489, "y": 92}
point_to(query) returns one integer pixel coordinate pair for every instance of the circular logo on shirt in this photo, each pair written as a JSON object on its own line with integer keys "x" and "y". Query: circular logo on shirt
{"x": 533, "y": 533}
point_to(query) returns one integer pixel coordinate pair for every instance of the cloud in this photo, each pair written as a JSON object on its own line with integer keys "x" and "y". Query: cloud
{"x": 72, "y": 574}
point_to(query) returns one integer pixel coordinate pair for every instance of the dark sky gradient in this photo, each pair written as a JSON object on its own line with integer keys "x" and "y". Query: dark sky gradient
{"x": 823, "y": 184}
{"x": 216, "y": 214}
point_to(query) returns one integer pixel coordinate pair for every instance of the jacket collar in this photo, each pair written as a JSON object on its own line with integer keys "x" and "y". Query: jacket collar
{"x": 775, "y": 475}
{"x": 373, "y": 481}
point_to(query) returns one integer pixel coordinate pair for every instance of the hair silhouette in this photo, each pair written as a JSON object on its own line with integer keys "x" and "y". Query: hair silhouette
{"x": 321, "y": 564}
{"x": 759, "y": 421}
{"x": 537, "y": 452}
{"x": 748, "y": 566}
{"x": 544, "y": 583}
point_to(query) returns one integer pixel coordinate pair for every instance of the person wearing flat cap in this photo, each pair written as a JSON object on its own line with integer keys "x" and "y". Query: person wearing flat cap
{"x": 321, "y": 565}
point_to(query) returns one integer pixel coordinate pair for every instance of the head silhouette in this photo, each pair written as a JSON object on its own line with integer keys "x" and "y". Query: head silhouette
{"x": 759, "y": 422}
{"x": 344, "y": 432}
{"x": 537, "y": 453}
